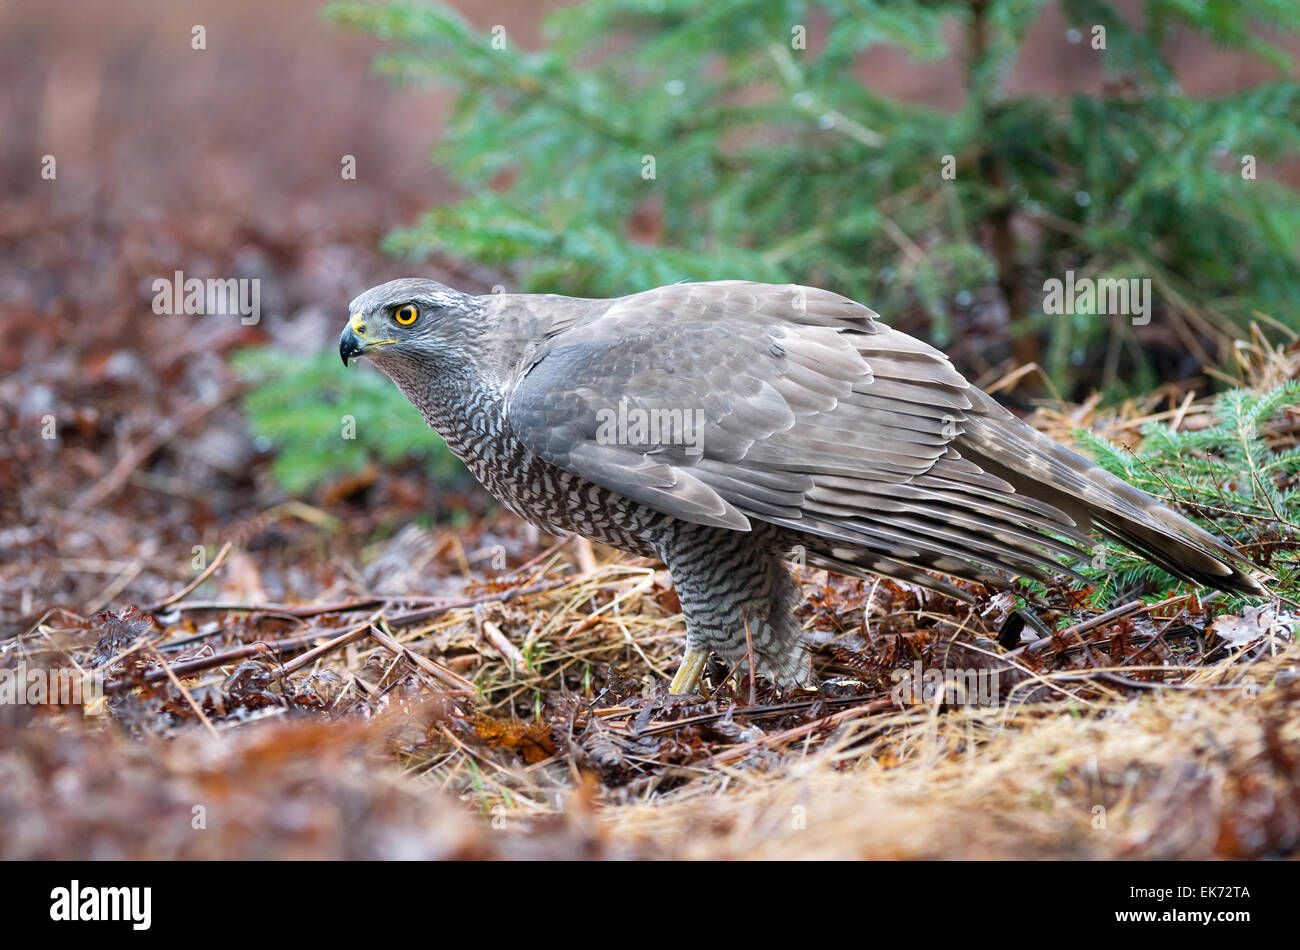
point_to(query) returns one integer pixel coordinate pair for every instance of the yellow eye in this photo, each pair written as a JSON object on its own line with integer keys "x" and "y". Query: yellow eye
{"x": 407, "y": 315}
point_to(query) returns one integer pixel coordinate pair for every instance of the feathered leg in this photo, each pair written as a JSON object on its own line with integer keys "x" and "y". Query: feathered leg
{"x": 725, "y": 581}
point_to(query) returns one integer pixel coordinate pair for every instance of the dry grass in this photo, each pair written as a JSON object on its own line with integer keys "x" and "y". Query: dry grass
{"x": 1174, "y": 775}
{"x": 569, "y": 724}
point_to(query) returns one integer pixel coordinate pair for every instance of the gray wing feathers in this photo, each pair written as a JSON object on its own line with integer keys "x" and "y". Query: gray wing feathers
{"x": 1096, "y": 499}
{"x": 656, "y": 484}
{"x": 813, "y": 416}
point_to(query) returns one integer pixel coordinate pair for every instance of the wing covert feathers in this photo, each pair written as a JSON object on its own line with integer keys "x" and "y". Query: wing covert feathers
{"x": 813, "y": 416}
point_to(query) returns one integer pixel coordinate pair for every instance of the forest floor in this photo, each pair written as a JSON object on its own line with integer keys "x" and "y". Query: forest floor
{"x": 359, "y": 674}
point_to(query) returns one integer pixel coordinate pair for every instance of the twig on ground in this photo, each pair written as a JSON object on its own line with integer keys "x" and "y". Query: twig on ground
{"x": 437, "y": 671}
{"x": 211, "y": 569}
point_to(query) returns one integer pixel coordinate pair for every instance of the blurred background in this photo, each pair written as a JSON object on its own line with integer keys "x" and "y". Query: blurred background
{"x": 937, "y": 160}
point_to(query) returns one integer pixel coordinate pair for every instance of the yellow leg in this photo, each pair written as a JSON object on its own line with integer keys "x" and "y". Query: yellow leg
{"x": 688, "y": 675}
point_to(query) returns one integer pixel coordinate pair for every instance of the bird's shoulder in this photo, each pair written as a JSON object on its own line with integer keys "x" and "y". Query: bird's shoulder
{"x": 688, "y": 326}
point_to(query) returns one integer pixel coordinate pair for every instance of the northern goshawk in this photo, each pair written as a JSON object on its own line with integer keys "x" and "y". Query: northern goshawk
{"x": 721, "y": 426}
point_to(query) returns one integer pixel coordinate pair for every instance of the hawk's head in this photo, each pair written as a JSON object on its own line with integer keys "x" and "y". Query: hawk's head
{"x": 407, "y": 319}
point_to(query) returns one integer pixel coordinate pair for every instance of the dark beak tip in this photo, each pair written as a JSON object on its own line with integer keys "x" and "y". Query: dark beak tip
{"x": 350, "y": 346}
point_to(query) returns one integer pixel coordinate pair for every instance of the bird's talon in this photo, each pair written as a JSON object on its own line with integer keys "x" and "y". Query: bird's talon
{"x": 688, "y": 675}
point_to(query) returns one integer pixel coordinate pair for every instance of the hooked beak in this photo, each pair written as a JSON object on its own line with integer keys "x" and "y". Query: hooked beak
{"x": 350, "y": 345}
{"x": 353, "y": 342}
